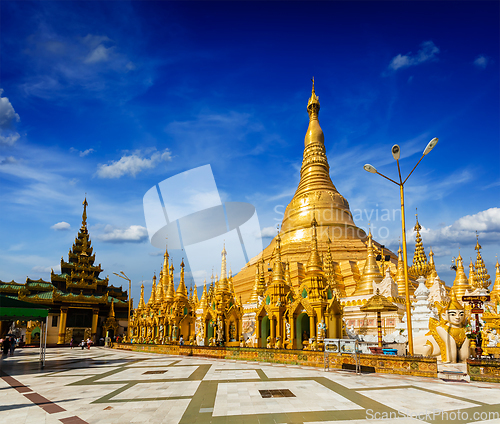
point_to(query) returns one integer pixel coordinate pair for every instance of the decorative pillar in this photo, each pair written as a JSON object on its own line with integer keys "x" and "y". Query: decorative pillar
{"x": 257, "y": 332}
{"x": 273, "y": 332}
{"x": 95, "y": 316}
{"x": 312, "y": 327}
{"x": 62, "y": 325}
{"x": 293, "y": 340}
{"x": 379, "y": 328}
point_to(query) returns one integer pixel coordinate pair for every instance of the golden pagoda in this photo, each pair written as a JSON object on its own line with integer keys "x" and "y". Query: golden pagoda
{"x": 172, "y": 313}
{"x": 339, "y": 240}
{"x": 495, "y": 291}
{"x": 482, "y": 276}
{"x": 420, "y": 266}
{"x": 79, "y": 300}
{"x": 460, "y": 284}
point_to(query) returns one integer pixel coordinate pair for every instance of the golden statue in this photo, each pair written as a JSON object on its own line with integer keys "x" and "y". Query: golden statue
{"x": 446, "y": 337}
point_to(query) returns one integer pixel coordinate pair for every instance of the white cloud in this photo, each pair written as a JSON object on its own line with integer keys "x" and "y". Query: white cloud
{"x": 61, "y": 226}
{"x": 269, "y": 232}
{"x": 132, "y": 234}
{"x": 8, "y": 118}
{"x": 82, "y": 153}
{"x": 44, "y": 269}
{"x": 481, "y": 61}
{"x": 463, "y": 230}
{"x": 99, "y": 54}
{"x": 427, "y": 52}
{"x": 132, "y": 164}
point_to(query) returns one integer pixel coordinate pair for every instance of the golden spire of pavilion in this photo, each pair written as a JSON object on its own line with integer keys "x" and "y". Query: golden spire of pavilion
{"x": 495, "y": 292}
{"x": 169, "y": 297}
{"x": 112, "y": 309}
{"x": 223, "y": 286}
{"x": 203, "y": 301}
{"x": 159, "y": 290}
{"x": 371, "y": 271}
{"x": 152, "y": 298}
{"x": 84, "y": 215}
{"x": 316, "y": 189}
{"x": 254, "y": 297}
{"x": 460, "y": 284}
{"x": 278, "y": 274}
{"x": 400, "y": 275}
{"x": 181, "y": 292}
{"x": 482, "y": 276}
{"x": 314, "y": 264}
{"x": 472, "y": 276}
{"x": 420, "y": 266}
{"x": 142, "y": 305}
{"x": 195, "y": 294}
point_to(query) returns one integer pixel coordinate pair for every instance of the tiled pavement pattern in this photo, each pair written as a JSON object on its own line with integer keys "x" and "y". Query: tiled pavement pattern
{"x": 100, "y": 386}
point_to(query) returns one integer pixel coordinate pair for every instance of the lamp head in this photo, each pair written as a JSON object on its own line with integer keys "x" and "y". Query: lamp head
{"x": 431, "y": 145}
{"x": 396, "y": 151}
{"x": 370, "y": 168}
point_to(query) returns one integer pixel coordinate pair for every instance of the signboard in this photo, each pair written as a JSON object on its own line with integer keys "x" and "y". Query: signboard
{"x": 476, "y": 299}
{"x": 347, "y": 346}
{"x": 476, "y": 311}
{"x": 332, "y": 345}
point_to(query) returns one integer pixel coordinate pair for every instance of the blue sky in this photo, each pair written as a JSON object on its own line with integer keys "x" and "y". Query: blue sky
{"x": 108, "y": 99}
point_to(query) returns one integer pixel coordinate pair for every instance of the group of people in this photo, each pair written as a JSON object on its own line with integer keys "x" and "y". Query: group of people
{"x": 83, "y": 344}
{"x": 9, "y": 345}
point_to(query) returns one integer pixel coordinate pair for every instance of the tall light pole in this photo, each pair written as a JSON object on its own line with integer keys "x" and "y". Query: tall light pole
{"x": 396, "y": 151}
{"x": 122, "y": 275}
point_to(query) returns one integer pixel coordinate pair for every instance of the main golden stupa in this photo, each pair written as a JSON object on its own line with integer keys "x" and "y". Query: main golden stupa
{"x": 316, "y": 196}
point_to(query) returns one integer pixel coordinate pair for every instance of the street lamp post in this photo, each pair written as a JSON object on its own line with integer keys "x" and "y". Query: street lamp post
{"x": 396, "y": 151}
{"x": 122, "y": 275}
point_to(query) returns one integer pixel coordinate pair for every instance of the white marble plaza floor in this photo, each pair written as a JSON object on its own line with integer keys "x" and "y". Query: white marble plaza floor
{"x": 99, "y": 386}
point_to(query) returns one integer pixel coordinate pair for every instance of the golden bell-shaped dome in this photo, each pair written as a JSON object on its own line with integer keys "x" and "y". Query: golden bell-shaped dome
{"x": 316, "y": 191}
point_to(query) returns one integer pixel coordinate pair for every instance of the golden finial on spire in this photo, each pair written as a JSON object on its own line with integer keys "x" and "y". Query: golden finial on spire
{"x": 313, "y": 103}
{"x": 84, "y": 215}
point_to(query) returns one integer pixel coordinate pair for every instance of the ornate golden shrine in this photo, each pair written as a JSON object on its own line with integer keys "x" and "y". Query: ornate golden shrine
{"x": 79, "y": 300}
{"x": 215, "y": 319}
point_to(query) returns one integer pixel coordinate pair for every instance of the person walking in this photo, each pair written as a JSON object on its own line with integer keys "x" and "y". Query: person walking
{"x": 71, "y": 343}
{"x": 82, "y": 344}
{"x": 181, "y": 341}
{"x": 89, "y": 342}
{"x": 6, "y": 346}
{"x": 12, "y": 345}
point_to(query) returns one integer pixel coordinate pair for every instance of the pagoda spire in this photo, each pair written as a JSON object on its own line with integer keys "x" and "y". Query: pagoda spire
{"x": 159, "y": 290}
{"x": 472, "y": 276}
{"x": 432, "y": 269}
{"x": 278, "y": 275}
{"x": 460, "y": 284}
{"x": 223, "y": 286}
{"x": 141, "y": 305}
{"x": 169, "y": 296}
{"x": 482, "y": 276}
{"x": 371, "y": 271}
{"x": 254, "y": 297}
{"x": 152, "y": 298}
{"x": 495, "y": 292}
{"x": 84, "y": 215}
{"x": 420, "y": 266}
{"x": 203, "y": 301}
{"x": 195, "y": 294}
{"x": 316, "y": 189}
{"x": 314, "y": 264}
{"x": 181, "y": 292}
